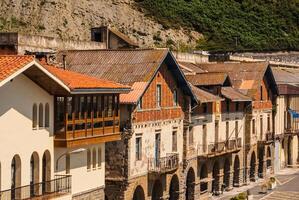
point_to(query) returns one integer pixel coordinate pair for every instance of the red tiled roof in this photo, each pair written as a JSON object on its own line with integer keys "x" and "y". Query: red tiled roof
{"x": 11, "y": 64}
{"x": 133, "y": 96}
{"x": 76, "y": 80}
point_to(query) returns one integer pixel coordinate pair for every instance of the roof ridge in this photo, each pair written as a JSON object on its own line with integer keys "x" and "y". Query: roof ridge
{"x": 120, "y": 50}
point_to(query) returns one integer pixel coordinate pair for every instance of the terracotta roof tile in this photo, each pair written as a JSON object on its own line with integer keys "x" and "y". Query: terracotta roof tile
{"x": 136, "y": 92}
{"x": 76, "y": 80}
{"x": 11, "y": 64}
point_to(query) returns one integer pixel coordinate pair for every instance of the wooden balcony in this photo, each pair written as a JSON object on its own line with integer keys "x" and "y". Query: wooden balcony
{"x": 165, "y": 164}
{"x": 92, "y": 131}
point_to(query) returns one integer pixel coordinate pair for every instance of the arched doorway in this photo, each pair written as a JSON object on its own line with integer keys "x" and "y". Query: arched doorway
{"x": 203, "y": 176}
{"x": 46, "y": 172}
{"x": 157, "y": 191}
{"x": 139, "y": 193}
{"x": 289, "y": 151}
{"x": 252, "y": 167}
{"x": 261, "y": 162}
{"x": 236, "y": 178}
{"x": 190, "y": 182}
{"x": 226, "y": 178}
{"x": 269, "y": 164}
{"x": 15, "y": 177}
{"x": 34, "y": 174}
{"x": 215, "y": 182}
{"x": 174, "y": 188}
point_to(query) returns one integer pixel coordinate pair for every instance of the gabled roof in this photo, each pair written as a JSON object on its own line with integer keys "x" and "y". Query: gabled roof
{"x": 247, "y": 76}
{"x": 44, "y": 75}
{"x": 123, "y": 37}
{"x": 125, "y": 66}
{"x": 204, "y": 96}
{"x": 206, "y": 79}
{"x": 234, "y": 95}
{"x": 190, "y": 68}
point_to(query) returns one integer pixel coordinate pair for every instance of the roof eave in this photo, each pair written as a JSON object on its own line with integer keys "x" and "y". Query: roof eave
{"x": 99, "y": 90}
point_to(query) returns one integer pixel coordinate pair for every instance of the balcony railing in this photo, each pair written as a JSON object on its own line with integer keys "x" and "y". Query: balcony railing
{"x": 164, "y": 164}
{"x": 59, "y": 186}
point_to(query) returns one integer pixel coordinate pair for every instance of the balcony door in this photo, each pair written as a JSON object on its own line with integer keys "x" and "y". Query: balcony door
{"x": 157, "y": 148}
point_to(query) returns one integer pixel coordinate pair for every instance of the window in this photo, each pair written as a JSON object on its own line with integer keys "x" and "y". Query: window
{"x": 236, "y": 129}
{"x": 174, "y": 141}
{"x": 98, "y": 37}
{"x": 139, "y": 106}
{"x": 100, "y": 106}
{"x": 110, "y": 104}
{"x": 47, "y": 115}
{"x": 191, "y": 136}
{"x": 138, "y": 148}
{"x": 94, "y": 158}
{"x": 261, "y": 128}
{"x": 175, "y": 98}
{"x": 227, "y": 106}
{"x": 99, "y": 157}
{"x": 41, "y": 115}
{"x": 227, "y": 130}
{"x": 82, "y": 107}
{"x": 88, "y": 106}
{"x": 268, "y": 123}
{"x": 34, "y": 116}
{"x": 159, "y": 93}
{"x": 261, "y": 91}
{"x": 88, "y": 159}
{"x": 253, "y": 126}
{"x": 216, "y": 132}
{"x": 204, "y": 137}
{"x": 205, "y": 108}
{"x": 237, "y": 106}
{"x": 67, "y": 164}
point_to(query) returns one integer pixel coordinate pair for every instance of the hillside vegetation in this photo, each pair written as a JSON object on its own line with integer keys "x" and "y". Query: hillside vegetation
{"x": 232, "y": 24}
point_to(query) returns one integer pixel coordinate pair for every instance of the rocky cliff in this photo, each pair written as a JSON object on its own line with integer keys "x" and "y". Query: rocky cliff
{"x": 72, "y": 19}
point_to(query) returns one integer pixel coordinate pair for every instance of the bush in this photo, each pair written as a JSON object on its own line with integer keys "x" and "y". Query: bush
{"x": 233, "y": 24}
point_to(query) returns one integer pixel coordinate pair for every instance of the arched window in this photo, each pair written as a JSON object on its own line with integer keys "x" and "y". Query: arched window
{"x": 88, "y": 159}
{"x": 34, "y": 116}
{"x": 47, "y": 115}
{"x": 34, "y": 174}
{"x": 40, "y": 115}
{"x": 94, "y": 158}
{"x": 15, "y": 177}
{"x": 99, "y": 157}
{"x": 46, "y": 172}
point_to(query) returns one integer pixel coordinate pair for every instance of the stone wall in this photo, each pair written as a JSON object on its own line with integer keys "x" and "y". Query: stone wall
{"x": 95, "y": 194}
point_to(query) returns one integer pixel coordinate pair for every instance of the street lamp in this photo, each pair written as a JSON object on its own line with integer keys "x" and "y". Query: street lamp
{"x": 76, "y": 151}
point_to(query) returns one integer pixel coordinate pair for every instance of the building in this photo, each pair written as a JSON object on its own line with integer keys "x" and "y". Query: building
{"x": 286, "y": 119}
{"x": 150, "y": 160}
{"x": 216, "y": 145}
{"x": 255, "y": 80}
{"x": 54, "y": 125}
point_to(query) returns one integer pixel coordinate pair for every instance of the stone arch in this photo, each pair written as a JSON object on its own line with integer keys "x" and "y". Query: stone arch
{"x": 252, "y": 171}
{"x": 138, "y": 193}
{"x": 190, "y": 184}
{"x": 46, "y": 172}
{"x": 203, "y": 176}
{"x": 269, "y": 158}
{"x": 227, "y": 170}
{"x": 34, "y": 174}
{"x": 261, "y": 162}
{"x": 236, "y": 179}
{"x": 215, "y": 182}
{"x": 174, "y": 188}
{"x": 16, "y": 177}
{"x": 157, "y": 191}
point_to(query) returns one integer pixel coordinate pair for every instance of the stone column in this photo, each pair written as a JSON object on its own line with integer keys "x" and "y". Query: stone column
{"x": 231, "y": 180}
{"x": 241, "y": 177}
{"x": 218, "y": 187}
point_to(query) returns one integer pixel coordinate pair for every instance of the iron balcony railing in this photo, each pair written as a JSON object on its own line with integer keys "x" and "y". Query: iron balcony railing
{"x": 59, "y": 186}
{"x": 220, "y": 147}
{"x": 164, "y": 164}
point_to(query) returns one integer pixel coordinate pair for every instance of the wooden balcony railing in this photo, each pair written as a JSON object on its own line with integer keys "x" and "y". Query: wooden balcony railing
{"x": 57, "y": 187}
{"x": 164, "y": 164}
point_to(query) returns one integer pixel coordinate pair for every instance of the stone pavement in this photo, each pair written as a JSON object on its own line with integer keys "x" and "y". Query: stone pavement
{"x": 287, "y": 188}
